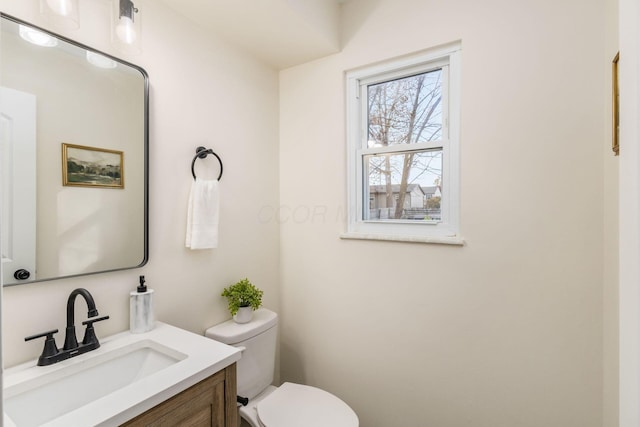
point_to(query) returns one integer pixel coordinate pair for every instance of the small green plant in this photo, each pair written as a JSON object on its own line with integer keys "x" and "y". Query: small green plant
{"x": 242, "y": 294}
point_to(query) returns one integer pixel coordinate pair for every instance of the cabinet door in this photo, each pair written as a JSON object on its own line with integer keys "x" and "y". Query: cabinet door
{"x": 202, "y": 405}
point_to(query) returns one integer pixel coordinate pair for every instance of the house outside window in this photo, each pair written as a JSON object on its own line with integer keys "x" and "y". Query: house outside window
{"x": 403, "y": 148}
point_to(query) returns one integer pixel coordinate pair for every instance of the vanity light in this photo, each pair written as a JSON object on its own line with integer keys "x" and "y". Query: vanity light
{"x": 125, "y": 29}
{"x": 126, "y": 26}
{"x": 63, "y": 13}
{"x": 100, "y": 61}
{"x": 36, "y": 37}
{"x": 61, "y": 7}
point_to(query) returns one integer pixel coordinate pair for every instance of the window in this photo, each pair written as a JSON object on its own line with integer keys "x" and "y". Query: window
{"x": 403, "y": 140}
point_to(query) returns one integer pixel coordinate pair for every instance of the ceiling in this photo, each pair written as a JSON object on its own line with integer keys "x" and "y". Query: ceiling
{"x": 282, "y": 33}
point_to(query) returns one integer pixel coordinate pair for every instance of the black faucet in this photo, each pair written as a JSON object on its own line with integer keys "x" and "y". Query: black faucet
{"x": 70, "y": 340}
{"x": 51, "y": 354}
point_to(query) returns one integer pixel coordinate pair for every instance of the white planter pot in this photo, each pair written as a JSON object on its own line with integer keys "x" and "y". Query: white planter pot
{"x": 244, "y": 315}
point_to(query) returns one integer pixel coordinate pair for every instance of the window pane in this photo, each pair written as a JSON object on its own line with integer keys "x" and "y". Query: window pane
{"x": 403, "y": 186}
{"x": 405, "y": 111}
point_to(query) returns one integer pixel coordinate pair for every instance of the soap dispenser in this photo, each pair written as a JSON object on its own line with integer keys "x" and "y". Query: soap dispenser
{"x": 141, "y": 309}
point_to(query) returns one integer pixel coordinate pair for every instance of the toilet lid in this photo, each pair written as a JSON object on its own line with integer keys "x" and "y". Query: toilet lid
{"x": 295, "y": 405}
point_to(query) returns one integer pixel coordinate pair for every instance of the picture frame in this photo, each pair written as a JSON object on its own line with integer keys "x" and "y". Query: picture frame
{"x": 615, "y": 109}
{"x": 84, "y": 166}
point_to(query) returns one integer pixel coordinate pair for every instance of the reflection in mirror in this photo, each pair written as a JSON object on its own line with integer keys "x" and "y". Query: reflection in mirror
{"x": 68, "y": 212}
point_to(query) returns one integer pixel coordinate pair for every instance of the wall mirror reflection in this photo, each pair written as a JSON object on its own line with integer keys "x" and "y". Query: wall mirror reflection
{"x": 70, "y": 212}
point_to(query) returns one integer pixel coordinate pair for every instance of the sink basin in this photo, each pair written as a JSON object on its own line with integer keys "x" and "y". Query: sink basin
{"x": 74, "y": 386}
{"x": 127, "y": 375}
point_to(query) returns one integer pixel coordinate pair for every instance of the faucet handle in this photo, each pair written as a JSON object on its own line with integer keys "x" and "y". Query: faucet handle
{"x": 90, "y": 333}
{"x": 50, "y": 347}
{"x": 48, "y": 334}
{"x": 91, "y": 321}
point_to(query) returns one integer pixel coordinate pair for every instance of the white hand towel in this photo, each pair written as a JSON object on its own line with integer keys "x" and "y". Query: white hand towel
{"x": 202, "y": 215}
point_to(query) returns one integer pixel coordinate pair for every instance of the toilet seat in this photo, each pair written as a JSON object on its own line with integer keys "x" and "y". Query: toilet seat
{"x": 295, "y": 405}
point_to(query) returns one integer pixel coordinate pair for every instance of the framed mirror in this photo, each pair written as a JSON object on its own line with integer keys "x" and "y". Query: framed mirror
{"x": 74, "y": 157}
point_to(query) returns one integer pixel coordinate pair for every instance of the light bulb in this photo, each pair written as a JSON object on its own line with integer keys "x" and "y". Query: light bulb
{"x": 100, "y": 60}
{"x": 126, "y": 31}
{"x": 61, "y": 7}
{"x": 36, "y": 37}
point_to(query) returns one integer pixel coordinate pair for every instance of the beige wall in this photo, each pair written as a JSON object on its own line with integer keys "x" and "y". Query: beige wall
{"x": 203, "y": 92}
{"x": 629, "y": 215}
{"x": 507, "y": 330}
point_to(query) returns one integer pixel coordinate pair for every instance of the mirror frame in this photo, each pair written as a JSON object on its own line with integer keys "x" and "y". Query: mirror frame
{"x": 145, "y": 147}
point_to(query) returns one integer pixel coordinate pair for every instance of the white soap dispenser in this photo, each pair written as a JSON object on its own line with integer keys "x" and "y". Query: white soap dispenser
{"x": 141, "y": 309}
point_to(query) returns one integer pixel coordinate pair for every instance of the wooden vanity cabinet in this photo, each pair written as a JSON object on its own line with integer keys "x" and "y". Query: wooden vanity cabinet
{"x": 211, "y": 403}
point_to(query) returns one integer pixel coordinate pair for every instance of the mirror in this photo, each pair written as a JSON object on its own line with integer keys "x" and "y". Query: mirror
{"x": 74, "y": 158}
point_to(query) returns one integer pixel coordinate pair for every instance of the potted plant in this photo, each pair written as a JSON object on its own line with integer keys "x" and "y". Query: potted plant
{"x": 243, "y": 298}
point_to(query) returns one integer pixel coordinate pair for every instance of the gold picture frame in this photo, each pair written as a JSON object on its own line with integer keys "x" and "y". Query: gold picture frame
{"x": 615, "y": 137}
{"x": 84, "y": 166}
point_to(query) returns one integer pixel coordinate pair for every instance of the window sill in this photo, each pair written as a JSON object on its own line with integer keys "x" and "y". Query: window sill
{"x": 440, "y": 240}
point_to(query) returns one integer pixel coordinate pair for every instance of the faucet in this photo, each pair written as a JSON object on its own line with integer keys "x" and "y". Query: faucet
{"x": 51, "y": 353}
{"x": 70, "y": 340}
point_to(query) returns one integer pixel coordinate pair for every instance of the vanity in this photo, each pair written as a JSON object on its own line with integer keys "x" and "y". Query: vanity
{"x": 167, "y": 376}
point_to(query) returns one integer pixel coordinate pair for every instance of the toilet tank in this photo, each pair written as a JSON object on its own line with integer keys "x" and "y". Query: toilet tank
{"x": 258, "y": 337}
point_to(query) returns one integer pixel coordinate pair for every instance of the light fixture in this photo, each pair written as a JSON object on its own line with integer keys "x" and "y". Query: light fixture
{"x": 62, "y": 13}
{"x": 126, "y": 26}
{"x": 36, "y": 37}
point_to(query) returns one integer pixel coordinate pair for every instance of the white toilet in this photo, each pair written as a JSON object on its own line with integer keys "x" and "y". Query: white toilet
{"x": 290, "y": 405}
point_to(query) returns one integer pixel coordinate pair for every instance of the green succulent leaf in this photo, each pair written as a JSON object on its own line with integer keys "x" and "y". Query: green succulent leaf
{"x": 242, "y": 294}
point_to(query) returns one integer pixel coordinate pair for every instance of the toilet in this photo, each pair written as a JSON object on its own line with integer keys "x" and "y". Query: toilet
{"x": 290, "y": 405}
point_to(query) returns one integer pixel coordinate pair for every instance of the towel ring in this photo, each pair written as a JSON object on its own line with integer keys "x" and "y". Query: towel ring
{"x": 201, "y": 153}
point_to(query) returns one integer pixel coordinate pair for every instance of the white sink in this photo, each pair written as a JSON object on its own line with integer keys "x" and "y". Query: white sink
{"x": 74, "y": 386}
{"x": 127, "y": 375}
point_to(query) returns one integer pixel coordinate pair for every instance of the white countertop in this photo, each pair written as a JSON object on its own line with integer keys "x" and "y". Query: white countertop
{"x": 204, "y": 358}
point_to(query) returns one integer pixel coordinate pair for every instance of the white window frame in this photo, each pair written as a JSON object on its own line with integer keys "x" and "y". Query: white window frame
{"x": 447, "y": 230}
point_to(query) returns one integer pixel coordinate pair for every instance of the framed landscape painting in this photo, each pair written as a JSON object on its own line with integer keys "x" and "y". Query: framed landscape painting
{"x": 92, "y": 167}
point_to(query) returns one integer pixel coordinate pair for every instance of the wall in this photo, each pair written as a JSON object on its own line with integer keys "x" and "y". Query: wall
{"x": 629, "y": 213}
{"x": 203, "y": 92}
{"x": 507, "y": 330}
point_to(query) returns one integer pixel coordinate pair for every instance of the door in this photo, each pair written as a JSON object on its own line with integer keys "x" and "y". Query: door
{"x": 18, "y": 173}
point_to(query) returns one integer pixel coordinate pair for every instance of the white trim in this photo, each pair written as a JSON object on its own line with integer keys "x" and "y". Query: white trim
{"x": 406, "y": 62}
{"x": 446, "y": 58}
{"x": 421, "y": 67}
{"x": 403, "y": 148}
{"x": 629, "y": 214}
{"x": 453, "y": 127}
{"x": 457, "y": 241}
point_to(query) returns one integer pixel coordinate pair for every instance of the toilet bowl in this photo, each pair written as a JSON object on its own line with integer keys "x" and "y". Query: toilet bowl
{"x": 291, "y": 404}
{"x": 296, "y": 405}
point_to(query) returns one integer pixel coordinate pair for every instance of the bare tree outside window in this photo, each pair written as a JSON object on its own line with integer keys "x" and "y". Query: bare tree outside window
{"x": 403, "y": 112}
